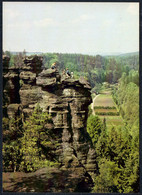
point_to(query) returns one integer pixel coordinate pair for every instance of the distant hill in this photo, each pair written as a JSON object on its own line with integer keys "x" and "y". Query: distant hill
{"x": 112, "y": 54}
{"x": 123, "y": 55}
{"x": 130, "y": 54}
{"x": 106, "y": 54}
{"x": 27, "y": 53}
{"x": 33, "y": 53}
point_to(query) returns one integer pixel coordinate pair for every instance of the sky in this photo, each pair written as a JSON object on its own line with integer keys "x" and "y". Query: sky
{"x": 66, "y": 27}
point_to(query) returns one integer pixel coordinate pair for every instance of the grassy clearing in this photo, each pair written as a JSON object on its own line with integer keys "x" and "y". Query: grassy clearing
{"x": 105, "y": 110}
{"x": 103, "y": 101}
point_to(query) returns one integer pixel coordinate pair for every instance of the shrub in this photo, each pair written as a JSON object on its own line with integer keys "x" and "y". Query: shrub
{"x": 104, "y": 107}
{"x": 108, "y": 113}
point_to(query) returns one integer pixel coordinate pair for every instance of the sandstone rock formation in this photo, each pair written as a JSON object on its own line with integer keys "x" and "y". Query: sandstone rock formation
{"x": 67, "y": 101}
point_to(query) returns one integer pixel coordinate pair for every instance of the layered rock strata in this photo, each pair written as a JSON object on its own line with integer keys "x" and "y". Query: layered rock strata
{"x": 66, "y": 100}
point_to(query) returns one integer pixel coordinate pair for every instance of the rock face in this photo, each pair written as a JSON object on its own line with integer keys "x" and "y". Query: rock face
{"x": 67, "y": 101}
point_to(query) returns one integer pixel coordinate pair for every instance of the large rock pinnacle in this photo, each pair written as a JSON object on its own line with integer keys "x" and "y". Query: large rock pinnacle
{"x": 66, "y": 100}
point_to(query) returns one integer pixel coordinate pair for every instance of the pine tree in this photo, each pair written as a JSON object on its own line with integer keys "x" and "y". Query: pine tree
{"x": 94, "y": 128}
{"x": 37, "y": 142}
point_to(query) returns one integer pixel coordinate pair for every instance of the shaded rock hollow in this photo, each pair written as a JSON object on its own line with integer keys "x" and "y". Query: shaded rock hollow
{"x": 67, "y": 101}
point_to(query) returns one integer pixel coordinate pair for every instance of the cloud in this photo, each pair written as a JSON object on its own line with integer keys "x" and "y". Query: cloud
{"x": 20, "y": 25}
{"x": 48, "y": 6}
{"x": 82, "y": 18}
{"x": 133, "y": 8}
{"x": 11, "y": 13}
{"x": 107, "y": 23}
{"x": 44, "y": 22}
{"x": 85, "y": 17}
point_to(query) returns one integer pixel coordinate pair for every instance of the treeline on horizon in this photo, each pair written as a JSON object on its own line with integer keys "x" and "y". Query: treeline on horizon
{"x": 96, "y": 69}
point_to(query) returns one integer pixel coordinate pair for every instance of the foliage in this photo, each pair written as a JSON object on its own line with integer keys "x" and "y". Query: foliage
{"x": 37, "y": 142}
{"x": 108, "y": 113}
{"x": 118, "y": 163}
{"x": 31, "y": 147}
{"x": 16, "y": 58}
{"x": 118, "y": 149}
{"x": 89, "y": 111}
{"x": 126, "y": 94}
{"x": 107, "y": 180}
{"x": 21, "y": 82}
{"x": 104, "y": 107}
{"x": 11, "y": 155}
{"x": 12, "y": 132}
{"x": 28, "y": 146}
{"x": 96, "y": 69}
{"x": 94, "y": 127}
{"x": 97, "y": 88}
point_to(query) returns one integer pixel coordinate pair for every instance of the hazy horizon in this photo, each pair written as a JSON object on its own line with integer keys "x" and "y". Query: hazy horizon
{"x": 65, "y": 27}
{"x": 91, "y": 54}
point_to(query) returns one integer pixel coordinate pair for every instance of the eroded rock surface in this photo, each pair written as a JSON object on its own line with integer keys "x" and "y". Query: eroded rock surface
{"x": 67, "y": 101}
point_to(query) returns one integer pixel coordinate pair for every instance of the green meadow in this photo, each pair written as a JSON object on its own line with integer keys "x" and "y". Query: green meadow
{"x": 105, "y": 107}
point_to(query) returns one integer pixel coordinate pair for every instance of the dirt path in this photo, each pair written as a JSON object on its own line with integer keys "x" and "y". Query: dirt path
{"x": 92, "y": 105}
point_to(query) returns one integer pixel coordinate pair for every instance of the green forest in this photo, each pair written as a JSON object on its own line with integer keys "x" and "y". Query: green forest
{"x": 96, "y": 69}
{"x": 117, "y": 148}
